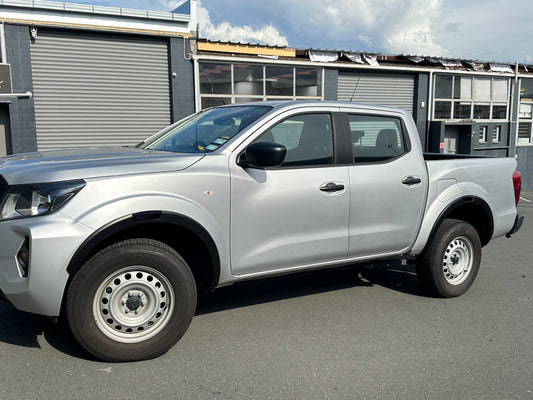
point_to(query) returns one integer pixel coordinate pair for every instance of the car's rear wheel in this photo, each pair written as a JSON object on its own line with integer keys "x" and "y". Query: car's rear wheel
{"x": 449, "y": 264}
{"x": 131, "y": 301}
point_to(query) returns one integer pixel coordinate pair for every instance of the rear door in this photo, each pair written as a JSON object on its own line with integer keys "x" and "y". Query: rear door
{"x": 294, "y": 215}
{"x": 388, "y": 184}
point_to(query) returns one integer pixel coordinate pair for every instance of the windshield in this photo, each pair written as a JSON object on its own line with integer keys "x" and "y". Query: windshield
{"x": 206, "y": 131}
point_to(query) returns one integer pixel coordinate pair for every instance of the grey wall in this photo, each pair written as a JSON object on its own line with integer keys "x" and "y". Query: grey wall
{"x": 182, "y": 86}
{"x": 331, "y": 83}
{"x": 524, "y": 158}
{"x": 21, "y": 111}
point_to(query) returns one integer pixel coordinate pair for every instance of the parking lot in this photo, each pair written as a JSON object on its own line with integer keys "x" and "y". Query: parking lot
{"x": 362, "y": 332}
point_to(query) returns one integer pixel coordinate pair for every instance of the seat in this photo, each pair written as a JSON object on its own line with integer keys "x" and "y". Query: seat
{"x": 387, "y": 143}
{"x": 315, "y": 145}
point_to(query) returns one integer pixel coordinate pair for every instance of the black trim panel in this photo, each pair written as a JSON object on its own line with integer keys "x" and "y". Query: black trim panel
{"x": 147, "y": 217}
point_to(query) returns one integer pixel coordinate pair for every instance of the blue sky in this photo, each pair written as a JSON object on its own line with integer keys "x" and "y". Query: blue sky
{"x": 488, "y": 30}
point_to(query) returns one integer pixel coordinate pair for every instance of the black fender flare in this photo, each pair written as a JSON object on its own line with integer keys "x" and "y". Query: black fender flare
{"x": 143, "y": 218}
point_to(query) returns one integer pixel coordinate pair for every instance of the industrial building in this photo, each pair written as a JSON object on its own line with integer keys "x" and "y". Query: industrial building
{"x": 79, "y": 75}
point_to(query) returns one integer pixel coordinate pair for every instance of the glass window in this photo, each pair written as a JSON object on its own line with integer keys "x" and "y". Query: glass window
{"x": 307, "y": 137}
{"x": 248, "y": 79}
{"x": 443, "y": 86}
{"x": 500, "y": 90}
{"x": 463, "y": 88}
{"x": 499, "y": 112}
{"x": 215, "y": 78}
{"x": 208, "y": 102}
{"x": 483, "y": 134}
{"x": 497, "y": 134}
{"x": 481, "y": 111}
{"x": 205, "y": 131}
{"x": 443, "y": 109}
{"x": 526, "y": 89}
{"x": 462, "y": 110}
{"x": 524, "y": 132}
{"x": 482, "y": 89}
{"x": 279, "y": 81}
{"x": 375, "y": 139}
{"x": 526, "y": 111}
{"x": 308, "y": 81}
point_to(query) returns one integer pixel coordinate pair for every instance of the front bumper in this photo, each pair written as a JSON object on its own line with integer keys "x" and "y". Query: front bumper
{"x": 518, "y": 221}
{"x": 52, "y": 241}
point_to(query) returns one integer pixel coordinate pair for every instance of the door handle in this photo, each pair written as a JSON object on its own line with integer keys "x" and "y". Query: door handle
{"x": 411, "y": 180}
{"x": 332, "y": 187}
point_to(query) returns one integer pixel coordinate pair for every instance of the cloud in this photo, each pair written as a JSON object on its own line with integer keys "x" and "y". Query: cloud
{"x": 225, "y": 31}
{"x": 392, "y": 26}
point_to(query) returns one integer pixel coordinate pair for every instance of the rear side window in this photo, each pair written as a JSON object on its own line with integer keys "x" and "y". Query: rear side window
{"x": 376, "y": 138}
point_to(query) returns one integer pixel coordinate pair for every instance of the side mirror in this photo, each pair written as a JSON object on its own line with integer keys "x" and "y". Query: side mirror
{"x": 262, "y": 155}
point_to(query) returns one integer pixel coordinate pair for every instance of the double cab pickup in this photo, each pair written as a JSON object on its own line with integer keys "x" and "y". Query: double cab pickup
{"x": 120, "y": 240}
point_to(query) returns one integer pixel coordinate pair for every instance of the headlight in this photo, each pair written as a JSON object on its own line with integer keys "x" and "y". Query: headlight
{"x": 21, "y": 201}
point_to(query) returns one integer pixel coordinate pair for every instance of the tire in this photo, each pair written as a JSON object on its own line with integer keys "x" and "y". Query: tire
{"x": 131, "y": 301}
{"x": 450, "y": 262}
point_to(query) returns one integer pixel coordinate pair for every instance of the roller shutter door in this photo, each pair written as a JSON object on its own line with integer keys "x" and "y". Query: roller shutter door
{"x": 98, "y": 90}
{"x": 389, "y": 90}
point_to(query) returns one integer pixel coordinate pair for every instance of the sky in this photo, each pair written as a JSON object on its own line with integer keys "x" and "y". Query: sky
{"x": 485, "y": 30}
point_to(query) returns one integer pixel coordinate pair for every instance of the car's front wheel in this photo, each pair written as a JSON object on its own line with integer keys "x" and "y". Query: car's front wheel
{"x": 131, "y": 301}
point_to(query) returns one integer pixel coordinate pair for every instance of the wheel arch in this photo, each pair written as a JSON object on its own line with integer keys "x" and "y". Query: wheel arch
{"x": 191, "y": 240}
{"x": 470, "y": 209}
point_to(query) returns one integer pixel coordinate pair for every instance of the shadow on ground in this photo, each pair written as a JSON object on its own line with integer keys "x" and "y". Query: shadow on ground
{"x": 23, "y": 329}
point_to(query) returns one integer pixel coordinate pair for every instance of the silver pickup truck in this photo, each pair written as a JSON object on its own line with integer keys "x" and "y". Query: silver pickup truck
{"x": 119, "y": 240}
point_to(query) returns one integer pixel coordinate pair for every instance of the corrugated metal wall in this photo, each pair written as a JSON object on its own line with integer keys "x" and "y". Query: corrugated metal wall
{"x": 98, "y": 90}
{"x": 389, "y": 90}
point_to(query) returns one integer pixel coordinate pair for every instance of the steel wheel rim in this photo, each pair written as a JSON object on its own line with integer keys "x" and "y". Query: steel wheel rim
{"x": 458, "y": 260}
{"x": 133, "y": 304}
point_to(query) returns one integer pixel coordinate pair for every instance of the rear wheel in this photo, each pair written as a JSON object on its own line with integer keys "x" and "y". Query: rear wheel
{"x": 131, "y": 301}
{"x": 449, "y": 264}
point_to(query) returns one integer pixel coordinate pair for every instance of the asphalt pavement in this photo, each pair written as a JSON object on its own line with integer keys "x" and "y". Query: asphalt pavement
{"x": 362, "y": 332}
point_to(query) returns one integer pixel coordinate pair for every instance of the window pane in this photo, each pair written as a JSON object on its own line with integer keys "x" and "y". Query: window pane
{"x": 308, "y": 139}
{"x": 215, "y": 101}
{"x": 482, "y": 89}
{"x": 443, "y": 109}
{"x": 481, "y": 111}
{"x": 375, "y": 139}
{"x": 497, "y": 134}
{"x": 279, "y": 81}
{"x": 248, "y": 79}
{"x": 526, "y": 110}
{"x": 483, "y": 134}
{"x": 500, "y": 90}
{"x": 247, "y": 99}
{"x": 443, "y": 86}
{"x": 307, "y": 81}
{"x": 524, "y": 132}
{"x": 463, "y": 88}
{"x": 462, "y": 111}
{"x": 526, "y": 89}
{"x": 499, "y": 112}
{"x": 215, "y": 78}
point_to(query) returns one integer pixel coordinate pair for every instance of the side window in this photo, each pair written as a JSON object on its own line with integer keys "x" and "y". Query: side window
{"x": 307, "y": 137}
{"x": 375, "y": 138}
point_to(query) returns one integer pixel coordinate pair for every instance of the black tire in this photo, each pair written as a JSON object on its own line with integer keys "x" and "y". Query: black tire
{"x": 450, "y": 262}
{"x": 131, "y": 301}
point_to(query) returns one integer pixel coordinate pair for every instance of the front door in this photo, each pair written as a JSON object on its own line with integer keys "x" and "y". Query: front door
{"x": 296, "y": 214}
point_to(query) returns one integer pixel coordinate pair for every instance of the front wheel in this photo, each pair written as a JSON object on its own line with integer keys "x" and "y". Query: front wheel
{"x": 450, "y": 262}
{"x": 131, "y": 301}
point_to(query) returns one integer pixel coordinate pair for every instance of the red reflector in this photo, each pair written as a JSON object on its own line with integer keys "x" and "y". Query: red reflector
{"x": 517, "y": 183}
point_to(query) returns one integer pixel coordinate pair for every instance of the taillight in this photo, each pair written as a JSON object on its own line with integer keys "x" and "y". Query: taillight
{"x": 517, "y": 184}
